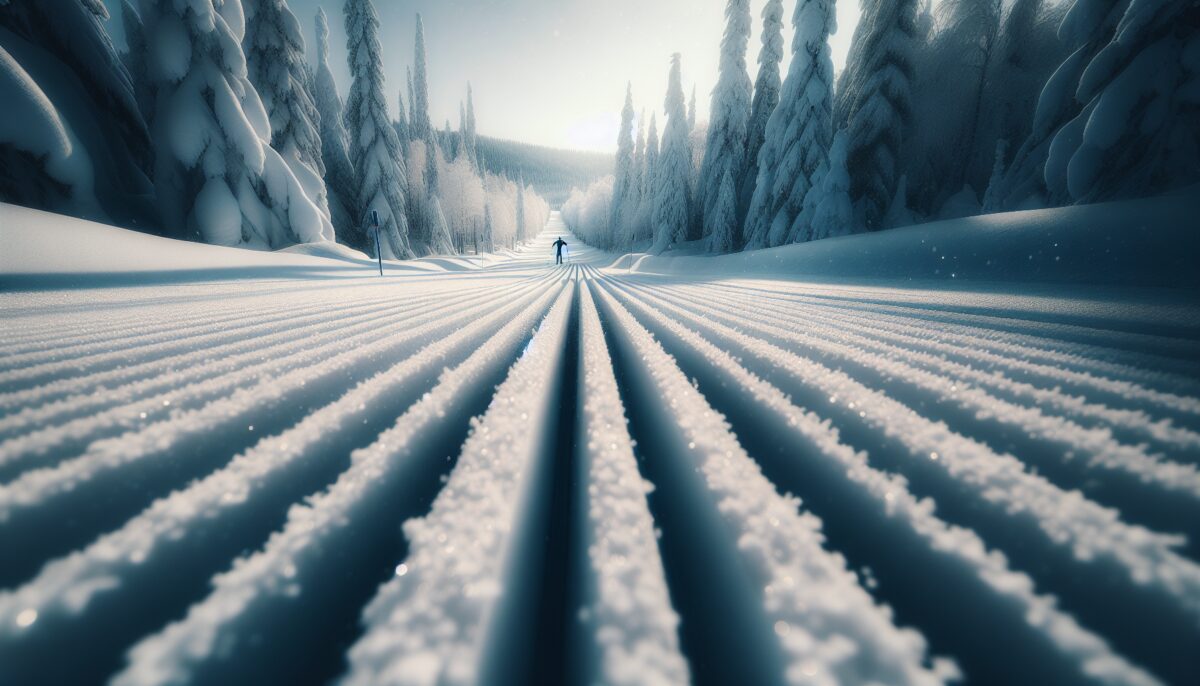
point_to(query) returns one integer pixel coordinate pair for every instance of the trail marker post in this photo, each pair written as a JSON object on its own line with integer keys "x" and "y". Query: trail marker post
{"x": 373, "y": 220}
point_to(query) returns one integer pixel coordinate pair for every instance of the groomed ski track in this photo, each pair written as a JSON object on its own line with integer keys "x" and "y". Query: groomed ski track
{"x": 525, "y": 473}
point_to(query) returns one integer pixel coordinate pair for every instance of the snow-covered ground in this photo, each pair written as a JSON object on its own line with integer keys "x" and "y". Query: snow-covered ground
{"x": 222, "y": 466}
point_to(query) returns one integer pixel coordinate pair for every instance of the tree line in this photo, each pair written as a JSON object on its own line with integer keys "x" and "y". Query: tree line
{"x": 213, "y": 125}
{"x": 978, "y": 106}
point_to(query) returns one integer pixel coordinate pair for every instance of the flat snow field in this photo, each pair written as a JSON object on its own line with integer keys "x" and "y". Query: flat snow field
{"x": 227, "y": 467}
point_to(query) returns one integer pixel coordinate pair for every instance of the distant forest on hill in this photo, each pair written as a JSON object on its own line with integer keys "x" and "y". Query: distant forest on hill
{"x": 552, "y": 171}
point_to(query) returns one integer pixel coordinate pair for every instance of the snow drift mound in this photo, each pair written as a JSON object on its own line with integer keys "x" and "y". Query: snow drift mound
{"x": 1132, "y": 243}
{"x": 46, "y": 250}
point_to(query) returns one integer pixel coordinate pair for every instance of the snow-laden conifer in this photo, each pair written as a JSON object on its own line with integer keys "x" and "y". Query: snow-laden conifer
{"x": 401, "y": 119}
{"x": 488, "y": 238}
{"x": 379, "y": 168}
{"x": 673, "y": 172}
{"x": 335, "y": 145}
{"x": 218, "y": 179}
{"x": 874, "y": 103}
{"x": 1139, "y": 129}
{"x": 798, "y": 131}
{"x": 65, "y": 48}
{"x": 642, "y": 228}
{"x": 135, "y": 57}
{"x": 1085, "y": 29}
{"x": 520, "y": 227}
{"x": 723, "y": 217}
{"x": 274, "y": 47}
{"x": 472, "y": 137}
{"x": 766, "y": 98}
{"x": 623, "y": 173}
{"x": 833, "y": 213}
{"x": 419, "y": 124}
{"x": 729, "y": 115}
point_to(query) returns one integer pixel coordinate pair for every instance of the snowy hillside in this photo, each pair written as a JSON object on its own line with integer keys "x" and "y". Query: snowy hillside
{"x": 45, "y": 250}
{"x": 1132, "y": 243}
{"x": 303, "y": 472}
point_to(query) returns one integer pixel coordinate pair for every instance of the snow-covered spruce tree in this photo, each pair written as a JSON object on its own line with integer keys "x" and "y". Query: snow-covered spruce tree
{"x": 438, "y": 231}
{"x": 460, "y": 136}
{"x": 992, "y": 64}
{"x": 874, "y": 103}
{"x": 967, "y": 42}
{"x": 1027, "y": 53}
{"x": 274, "y": 47}
{"x": 723, "y": 217}
{"x": 1085, "y": 30}
{"x": 401, "y": 119}
{"x": 379, "y": 170}
{"x": 472, "y": 137}
{"x": 695, "y": 148}
{"x": 489, "y": 231}
{"x": 443, "y": 242}
{"x": 520, "y": 228}
{"x": 63, "y": 47}
{"x": 725, "y": 147}
{"x": 412, "y": 101}
{"x": 1139, "y": 130}
{"x": 217, "y": 177}
{"x": 997, "y": 175}
{"x": 766, "y": 98}
{"x": 691, "y": 113}
{"x": 446, "y": 140}
{"x": 833, "y": 213}
{"x": 419, "y": 124}
{"x": 42, "y": 164}
{"x": 798, "y": 131}
{"x": 422, "y": 216}
{"x": 134, "y": 59}
{"x": 623, "y": 174}
{"x": 335, "y": 146}
{"x": 634, "y": 204}
{"x": 673, "y": 174}
{"x": 643, "y": 225}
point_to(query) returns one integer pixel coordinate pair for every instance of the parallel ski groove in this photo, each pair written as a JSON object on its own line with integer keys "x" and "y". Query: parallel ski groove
{"x": 461, "y": 553}
{"x": 65, "y": 589}
{"x": 281, "y": 567}
{"x": 1095, "y": 446}
{"x": 174, "y": 393}
{"x": 1091, "y": 358}
{"x": 1025, "y": 510}
{"x": 633, "y": 479}
{"x": 1144, "y": 555}
{"x": 783, "y": 547}
{"x": 1028, "y": 610}
{"x": 634, "y": 634}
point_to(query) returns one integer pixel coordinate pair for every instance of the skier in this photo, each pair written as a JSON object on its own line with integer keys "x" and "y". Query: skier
{"x": 558, "y": 247}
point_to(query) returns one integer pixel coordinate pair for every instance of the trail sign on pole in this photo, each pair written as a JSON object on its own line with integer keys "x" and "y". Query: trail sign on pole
{"x": 373, "y": 219}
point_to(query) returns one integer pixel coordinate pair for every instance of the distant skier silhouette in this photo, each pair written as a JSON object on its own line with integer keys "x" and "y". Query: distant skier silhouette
{"x": 558, "y": 246}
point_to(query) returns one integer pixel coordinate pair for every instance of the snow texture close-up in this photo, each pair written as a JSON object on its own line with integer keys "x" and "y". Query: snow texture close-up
{"x": 575, "y": 343}
{"x": 593, "y": 473}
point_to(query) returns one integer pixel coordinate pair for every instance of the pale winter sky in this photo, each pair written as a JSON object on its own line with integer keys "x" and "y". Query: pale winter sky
{"x": 551, "y": 72}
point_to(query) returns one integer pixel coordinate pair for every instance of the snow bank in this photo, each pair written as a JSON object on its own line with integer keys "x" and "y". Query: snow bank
{"x": 1136, "y": 243}
{"x": 44, "y": 243}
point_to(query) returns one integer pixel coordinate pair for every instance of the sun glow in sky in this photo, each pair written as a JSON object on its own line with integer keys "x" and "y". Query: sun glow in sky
{"x": 551, "y": 72}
